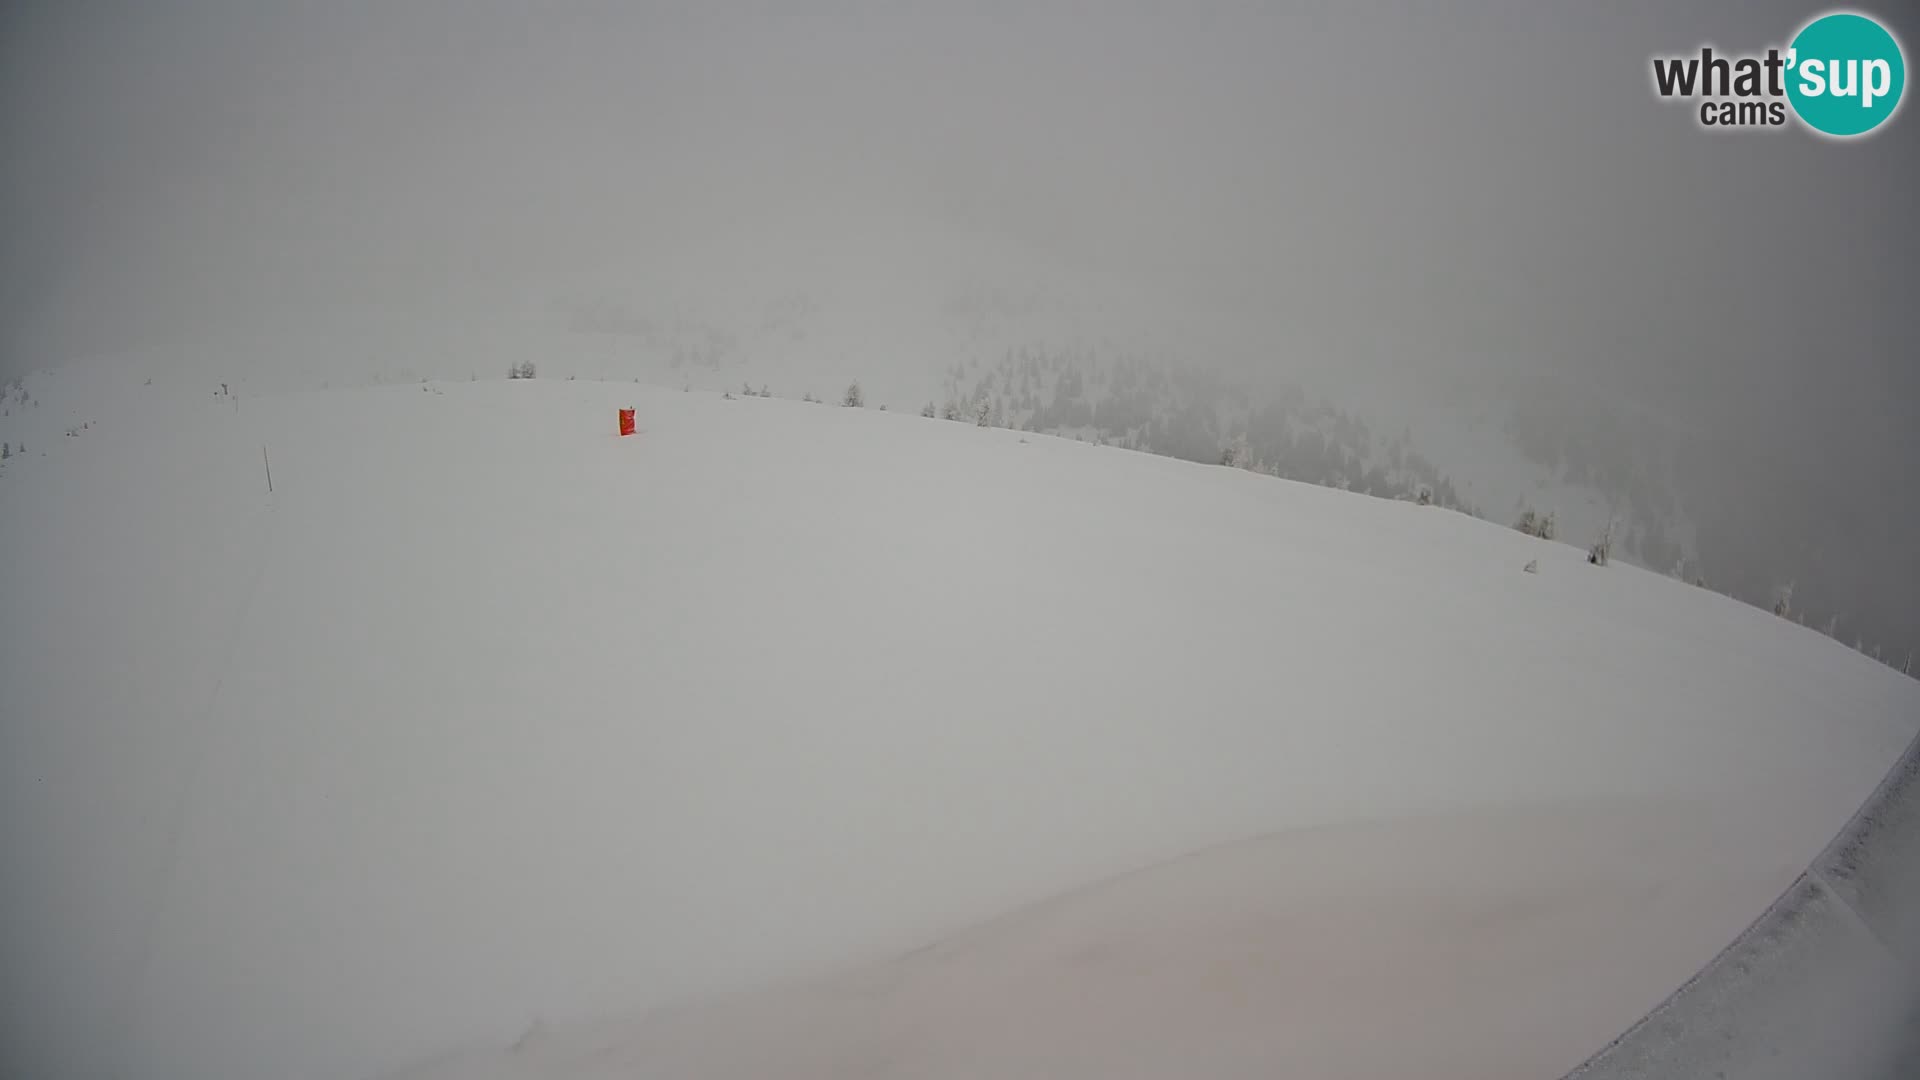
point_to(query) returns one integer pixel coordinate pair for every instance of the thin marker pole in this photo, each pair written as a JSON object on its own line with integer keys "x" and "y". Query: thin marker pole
{"x": 269, "y": 463}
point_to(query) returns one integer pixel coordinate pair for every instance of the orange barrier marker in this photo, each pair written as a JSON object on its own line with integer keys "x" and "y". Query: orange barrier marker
{"x": 626, "y": 421}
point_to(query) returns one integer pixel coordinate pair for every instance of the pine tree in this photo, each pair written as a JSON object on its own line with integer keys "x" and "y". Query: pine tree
{"x": 1237, "y": 455}
{"x": 854, "y": 399}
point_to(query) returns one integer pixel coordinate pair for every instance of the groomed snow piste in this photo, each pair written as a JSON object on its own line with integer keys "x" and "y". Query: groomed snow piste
{"x": 787, "y": 739}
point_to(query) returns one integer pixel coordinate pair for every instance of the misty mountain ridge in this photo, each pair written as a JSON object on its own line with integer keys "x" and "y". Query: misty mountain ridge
{"x": 1094, "y": 361}
{"x": 1493, "y": 443}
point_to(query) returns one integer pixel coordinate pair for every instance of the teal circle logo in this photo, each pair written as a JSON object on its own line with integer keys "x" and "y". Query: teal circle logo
{"x": 1845, "y": 74}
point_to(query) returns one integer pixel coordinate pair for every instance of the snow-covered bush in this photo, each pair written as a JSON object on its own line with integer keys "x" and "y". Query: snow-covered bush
{"x": 1602, "y": 550}
{"x": 928, "y": 411}
{"x": 1533, "y": 524}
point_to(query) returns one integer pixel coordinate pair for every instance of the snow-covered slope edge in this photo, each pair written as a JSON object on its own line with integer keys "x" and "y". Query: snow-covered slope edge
{"x": 1825, "y": 983}
{"x": 487, "y": 715}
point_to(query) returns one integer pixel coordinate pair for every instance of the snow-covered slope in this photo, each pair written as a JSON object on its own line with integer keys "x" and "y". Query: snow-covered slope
{"x": 485, "y": 716}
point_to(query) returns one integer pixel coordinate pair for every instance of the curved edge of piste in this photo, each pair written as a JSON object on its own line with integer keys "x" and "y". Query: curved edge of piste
{"x": 1825, "y": 983}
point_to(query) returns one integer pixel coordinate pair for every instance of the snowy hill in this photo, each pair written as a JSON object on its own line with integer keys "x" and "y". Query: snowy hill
{"x": 1176, "y": 375}
{"x": 800, "y": 739}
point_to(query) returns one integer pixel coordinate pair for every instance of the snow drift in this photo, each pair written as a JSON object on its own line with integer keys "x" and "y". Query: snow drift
{"x": 487, "y": 723}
